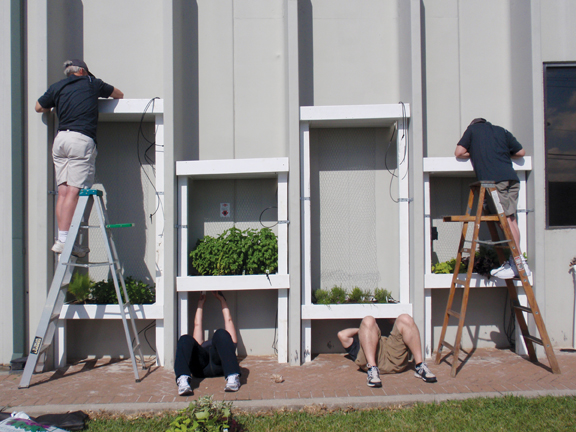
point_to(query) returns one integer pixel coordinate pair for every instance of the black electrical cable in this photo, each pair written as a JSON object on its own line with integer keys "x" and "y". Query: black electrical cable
{"x": 404, "y": 156}
{"x": 146, "y": 157}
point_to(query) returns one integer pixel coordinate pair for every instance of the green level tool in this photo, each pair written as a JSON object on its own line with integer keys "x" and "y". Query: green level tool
{"x": 124, "y": 225}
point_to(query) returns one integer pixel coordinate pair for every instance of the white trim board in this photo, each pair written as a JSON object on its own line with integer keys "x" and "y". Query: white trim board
{"x": 451, "y": 165}
{"x": 233, "y": 168}
{"x": 232, "y": 283}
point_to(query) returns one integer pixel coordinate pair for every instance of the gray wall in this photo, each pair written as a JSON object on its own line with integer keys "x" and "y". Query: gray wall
{"x": 477, "y": 60}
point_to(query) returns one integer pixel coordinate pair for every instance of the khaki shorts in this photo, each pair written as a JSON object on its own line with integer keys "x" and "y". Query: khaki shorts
{"x": 74, "y": 157}
{"x": 391, "y": 353}
{"x": 508, "y": 195}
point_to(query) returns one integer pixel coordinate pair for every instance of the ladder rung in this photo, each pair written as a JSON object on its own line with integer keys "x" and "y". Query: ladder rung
{"x": 464, "y": 218}
{"x": 127, "y": 304}
{"x": 453, "y": 313}
{"x": 493, "y": 243}
{"x": 450, "y": 347}
{"x": 523, "y": 308}
{"x": 466, "y": 250}
{"x": 88, "y": 265}
{"x": 534, "y": 339}
{"x": 460, "y": 282}
{"x": 54, "y": 317}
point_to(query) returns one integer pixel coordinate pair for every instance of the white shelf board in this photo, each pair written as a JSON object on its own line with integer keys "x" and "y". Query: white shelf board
{"x": 378, "y": 115}
{"x": 100, "y": 311}
{"x": 451, "y": 165}
{"x": 233, "y": 168}
{"x": 433, "y": 281}
{"x": 129, "y": 110}
{"x": 231, "y": 283}
{"x": 353, "y": 311}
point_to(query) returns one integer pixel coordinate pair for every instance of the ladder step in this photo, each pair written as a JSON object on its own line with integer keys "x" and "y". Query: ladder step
{"x": 54, "y": 317}
{"x": 460, "y": 282}
{"x": 466, "y": 250}
{"x": 450, "y": 347}
{"x": 534, "y": 339}
{"x": 43, "y": 349}
{"x": 88, "y": 265}
{"x": 464, "y": 218}
{"x": 523, "y": 308}
{"x": 493, "y": 243}
{"x": 453, "y": 313}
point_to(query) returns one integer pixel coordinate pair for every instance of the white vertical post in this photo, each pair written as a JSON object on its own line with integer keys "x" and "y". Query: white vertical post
{"x": 182, "y": 313}
{"x": 160, "y": 342}
{"x": 282, "y": 326}
{"x": 522, "y": 227}
{"x": 403, "y": 206}
{"x": 159, "y": 162}
{"x": 306, "y": 238}
{"x": 182, "y": 226}
{"x": 282, "y": 266}
{"x": 60, "y": 353}
{"x": 306, "y": 219}
{"x": 307, "y": 340}
{"x": 428, "y": 348}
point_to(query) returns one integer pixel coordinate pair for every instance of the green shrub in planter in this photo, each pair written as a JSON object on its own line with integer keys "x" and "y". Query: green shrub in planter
{"x": 358, "y": 295}
{"x": 236, "y": 252}
{"x": 321, "y": 296}
{"x": 337, "y": 295}
{"x": 104, "y": 292}
{"x": 381, "y": 295}
{"x": 80, "y": 286}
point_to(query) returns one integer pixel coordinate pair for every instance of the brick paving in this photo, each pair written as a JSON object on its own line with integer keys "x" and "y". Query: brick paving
{"x": 330, "y": 379}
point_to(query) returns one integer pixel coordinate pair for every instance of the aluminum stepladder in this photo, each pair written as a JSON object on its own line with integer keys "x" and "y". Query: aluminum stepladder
{"x": 477, "y": 194}
{"x": 62, "y": 276}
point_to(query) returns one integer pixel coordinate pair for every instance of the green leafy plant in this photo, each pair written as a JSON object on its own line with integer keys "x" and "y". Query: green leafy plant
{"x": 381, "y": 295}
{"x": 79, "y": 287}
{"x": 485, "y": 259}
{"x": 358, "y": 295}
{"x": 321, "y": 296}
{"x": 236, "y": 252}
{"x": 337, "y": 295}
{"x": 205, "y": 415}
{"x": 104, "y": 292}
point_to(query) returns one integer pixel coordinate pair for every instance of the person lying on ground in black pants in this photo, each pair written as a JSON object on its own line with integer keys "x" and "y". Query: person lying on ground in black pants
{"x": 206, "y": 359}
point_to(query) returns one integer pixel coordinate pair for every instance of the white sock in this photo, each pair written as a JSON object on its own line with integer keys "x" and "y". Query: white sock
{"x": 62, "y": 236}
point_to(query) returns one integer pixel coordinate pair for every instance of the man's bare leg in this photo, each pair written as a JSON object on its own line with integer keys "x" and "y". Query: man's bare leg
{"x": 369, "y": 337}
{"x": 66, "y": 205}
{"x": 411, "y": 336}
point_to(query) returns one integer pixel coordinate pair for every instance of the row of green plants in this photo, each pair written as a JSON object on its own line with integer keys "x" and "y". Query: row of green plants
{"x": 236, "y": 252}
{"x": 338, "y": 295}
{"x": 485, "y": 260}
{"x": 83, "y": 290}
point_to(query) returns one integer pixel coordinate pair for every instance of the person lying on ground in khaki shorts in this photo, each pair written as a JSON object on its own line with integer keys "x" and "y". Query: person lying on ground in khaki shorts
{"x": 376, "y": 354}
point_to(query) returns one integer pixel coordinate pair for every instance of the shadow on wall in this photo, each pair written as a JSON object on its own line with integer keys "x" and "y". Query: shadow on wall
{"x": 129, "y": 194}
{"x": 306, "y": 52}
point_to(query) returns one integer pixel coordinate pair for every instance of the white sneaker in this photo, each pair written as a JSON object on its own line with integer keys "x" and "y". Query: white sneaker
{"x": 77, "y": 250}
{"x": 184, "y": 388}
{"x": 526, "y": 268}
{"x": 505, "y": 271}
{"x": 232, "y": 383}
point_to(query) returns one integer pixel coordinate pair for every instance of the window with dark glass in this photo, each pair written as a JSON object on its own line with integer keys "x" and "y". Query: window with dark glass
{"x": 560, "y": 117}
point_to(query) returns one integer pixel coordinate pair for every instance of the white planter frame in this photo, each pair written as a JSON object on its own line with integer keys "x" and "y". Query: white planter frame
{"x": 234, "y": 169}
{"x": 384, "y": 115}
{"x": 128, "y": 110}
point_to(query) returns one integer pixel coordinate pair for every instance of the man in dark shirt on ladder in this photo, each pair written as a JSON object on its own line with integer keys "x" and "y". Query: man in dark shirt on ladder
{"x": 490, "y": 149}
{"x": 75, "y": 99}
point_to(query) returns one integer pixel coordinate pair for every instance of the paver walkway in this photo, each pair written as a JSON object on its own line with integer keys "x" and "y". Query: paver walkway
{"x": 330, "y": 379}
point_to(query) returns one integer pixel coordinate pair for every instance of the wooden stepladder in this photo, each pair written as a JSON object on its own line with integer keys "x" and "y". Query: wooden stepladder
{"x": 477, "y": 194}
{"x": 62, "y": 276}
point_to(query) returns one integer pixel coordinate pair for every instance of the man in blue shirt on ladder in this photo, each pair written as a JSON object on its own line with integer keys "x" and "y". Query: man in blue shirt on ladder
{"x": 75, "y": 99}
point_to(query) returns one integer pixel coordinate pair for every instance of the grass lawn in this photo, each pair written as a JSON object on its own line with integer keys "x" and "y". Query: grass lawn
{"x": 498, "y": 414}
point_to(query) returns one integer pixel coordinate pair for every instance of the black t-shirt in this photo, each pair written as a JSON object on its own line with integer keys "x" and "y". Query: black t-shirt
{"x": 76, "y": 102}
{"x": 491, "y": 148}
